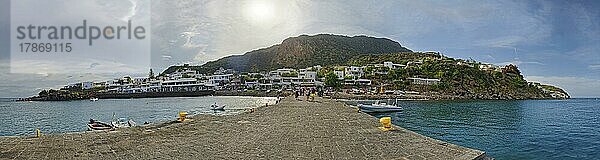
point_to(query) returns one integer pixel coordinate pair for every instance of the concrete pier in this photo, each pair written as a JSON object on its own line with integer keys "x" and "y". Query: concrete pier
{"x": 290, "y": 130}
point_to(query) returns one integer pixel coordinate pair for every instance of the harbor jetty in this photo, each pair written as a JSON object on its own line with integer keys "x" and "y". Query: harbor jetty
{"x": 291, "y": 129}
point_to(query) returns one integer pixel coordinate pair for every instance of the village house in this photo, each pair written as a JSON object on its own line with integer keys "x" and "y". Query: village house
{"x": 307, "y": 74}
{"x": 354, "y": 72}
{"x": 424, "y": 81}
{"x": 393, "y": 66}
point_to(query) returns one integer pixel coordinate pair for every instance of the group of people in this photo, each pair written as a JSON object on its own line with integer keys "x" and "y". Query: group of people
{"x": 310, "y": 93}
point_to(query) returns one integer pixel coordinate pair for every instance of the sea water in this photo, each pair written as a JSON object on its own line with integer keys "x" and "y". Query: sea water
{"x": 22, "y": 118}
{"x": 519, "y": 129}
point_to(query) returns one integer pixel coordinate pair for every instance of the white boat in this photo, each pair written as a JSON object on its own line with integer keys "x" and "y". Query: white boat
{"x": 122, "y": 123}
{"x": 93, "y": 99}
{"x": 216, "y": 107}
{"x": 379, "y": 107}
{"x": 382, "y": 104}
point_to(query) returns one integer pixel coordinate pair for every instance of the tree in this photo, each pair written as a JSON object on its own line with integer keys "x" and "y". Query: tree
{"x": 331, "y": 80}
{"x": 151, "y": 75}
{"x": 512, "y": 69}
{"x": 43, "y": 93}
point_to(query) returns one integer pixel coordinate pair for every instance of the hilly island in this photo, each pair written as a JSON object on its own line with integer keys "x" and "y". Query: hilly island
{"x": 335, "y": 65}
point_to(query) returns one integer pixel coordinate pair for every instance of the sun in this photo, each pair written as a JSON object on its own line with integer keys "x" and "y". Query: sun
{"x": 259, "y": 12}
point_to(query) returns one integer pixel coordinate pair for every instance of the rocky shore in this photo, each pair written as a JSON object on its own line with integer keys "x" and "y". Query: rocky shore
{"x": 334, "y": 95}
{"x": 292, "y": 129}
{"x": 437, "y": 96}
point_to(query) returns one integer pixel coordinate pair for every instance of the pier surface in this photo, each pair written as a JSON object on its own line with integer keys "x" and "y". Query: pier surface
{"x": 289, "y": 130}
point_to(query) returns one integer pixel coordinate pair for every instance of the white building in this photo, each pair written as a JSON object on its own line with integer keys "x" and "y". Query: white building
{"x": 279, "y": 72}
{"x": 354, "y": 72}
{"x": 219, "y": 79}
{"x": 358, "y": 82}
{"x": 339, "y": 74}
{"x": 393, "y": 66}
{"x": 424, "y": 81}
{"x": 183, "y": 85}
{"x": 139, "y": 80}
{"x": 184, "y": 73}
{"x": 307, "y": 74}
{"x": 416, "y": 63}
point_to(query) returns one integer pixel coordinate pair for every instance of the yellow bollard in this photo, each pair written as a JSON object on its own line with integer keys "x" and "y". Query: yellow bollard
{"x": 387, "y": 124}
{"x": 182, "y": 116}
{"x": 38, "y": 133}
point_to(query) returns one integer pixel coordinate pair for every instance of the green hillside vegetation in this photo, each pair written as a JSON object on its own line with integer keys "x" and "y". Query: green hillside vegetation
{"x": 458, "y": 77}
{"x": 301, "y": 52}
{"x": 465, "y": 80}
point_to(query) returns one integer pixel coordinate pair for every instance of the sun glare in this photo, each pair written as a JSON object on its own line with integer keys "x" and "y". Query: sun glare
{"x": 259, "y": 12}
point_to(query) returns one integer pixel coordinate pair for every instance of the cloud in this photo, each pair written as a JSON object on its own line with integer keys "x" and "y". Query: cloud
{"x": 122, "y": 52}
{"x": 22, "y": 85}
{"x": 73, "y": 66}
{"x": 93, "y": 65}
{"x": 594, "y": 67}
{"x": 575, "y": 86}
{"x": 518, "y": 63}
{"x": 132, "y": 11}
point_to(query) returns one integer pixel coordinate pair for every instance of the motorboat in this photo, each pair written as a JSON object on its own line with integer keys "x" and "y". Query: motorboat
{"x": 95, "y": 125}
{"x": 93, "y": 99}
{"x": 383, "y": 104}
{"x": 216, "y": 107}
{"x": 379, "y": 107}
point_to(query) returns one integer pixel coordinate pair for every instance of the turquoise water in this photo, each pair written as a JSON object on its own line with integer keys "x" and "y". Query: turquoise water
{"x": 526, "y": 129}
{"x": 22, "y": 118}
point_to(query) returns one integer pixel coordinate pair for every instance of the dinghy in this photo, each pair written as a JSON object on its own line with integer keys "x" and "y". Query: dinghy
{"x": 215, "y": 107}
{"x": 95, "y": 125}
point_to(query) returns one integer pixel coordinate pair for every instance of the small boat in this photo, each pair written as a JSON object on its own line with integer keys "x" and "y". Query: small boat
{"x": 379, "y": 107}
{"x": 95, "y": 125}
{"x": 123, "y": 123}
{"x": 372, "y": 108}
{"x": 383, "y": 104}
{"x": 216, "y": 107}
{"x": 93, "y": 99}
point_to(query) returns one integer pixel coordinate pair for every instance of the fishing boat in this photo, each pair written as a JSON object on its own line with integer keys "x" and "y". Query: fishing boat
{"x": 216, "y": 107}
{"x": 93, "y": 99}
{"x": 95, "y": 125}
{"x": 379, "y": 107}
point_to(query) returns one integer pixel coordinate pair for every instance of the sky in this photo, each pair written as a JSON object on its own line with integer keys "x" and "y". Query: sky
{"x": 553, "y": 42}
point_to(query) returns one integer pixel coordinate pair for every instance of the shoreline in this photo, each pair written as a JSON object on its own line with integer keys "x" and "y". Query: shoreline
{"x": 247, "y": 130}
{"x": 257, "y": 93}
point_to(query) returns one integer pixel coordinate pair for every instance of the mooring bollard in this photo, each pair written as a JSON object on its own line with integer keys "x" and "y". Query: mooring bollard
{"x": 182, "y": 116}
{"x": 38, "y": 133}
{"x": 386, "y": 123}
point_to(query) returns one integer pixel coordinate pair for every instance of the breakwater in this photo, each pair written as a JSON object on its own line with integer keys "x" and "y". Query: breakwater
{"x": 292, "y": 129}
